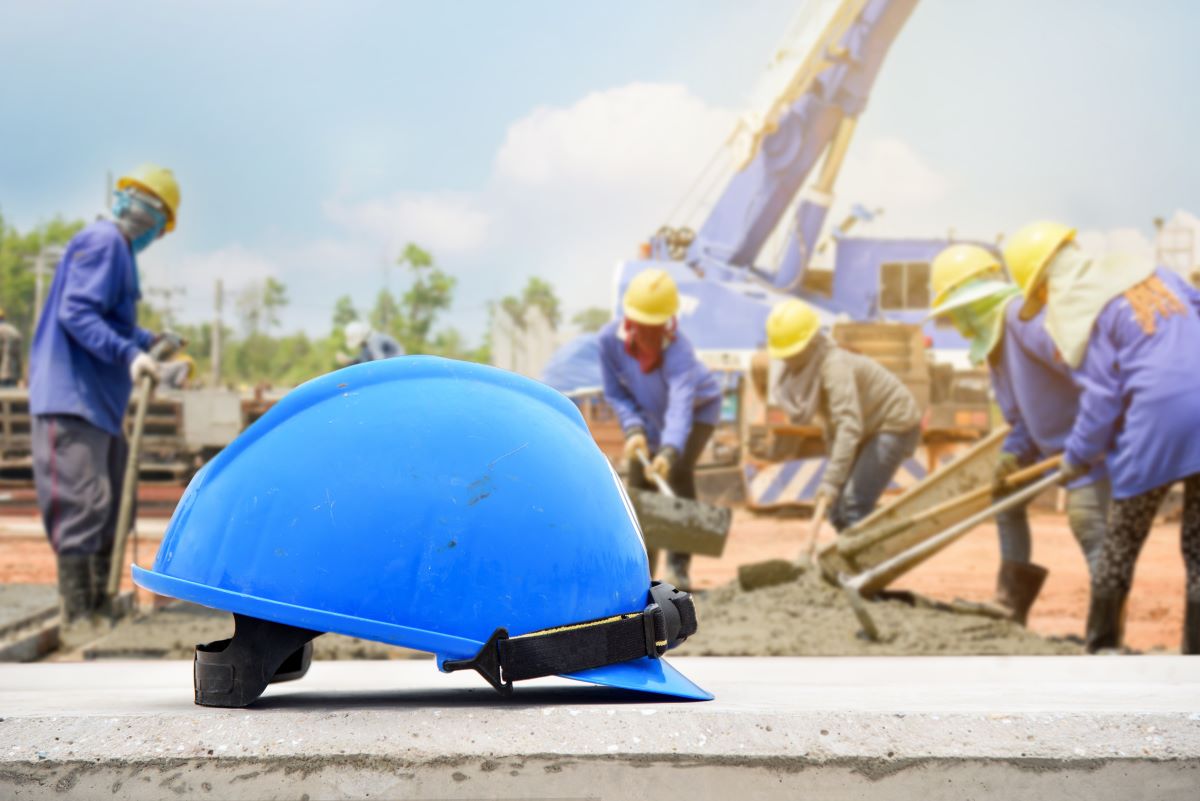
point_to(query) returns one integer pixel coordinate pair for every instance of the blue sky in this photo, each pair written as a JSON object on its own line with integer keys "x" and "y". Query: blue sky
{"x": 313, "y": 139}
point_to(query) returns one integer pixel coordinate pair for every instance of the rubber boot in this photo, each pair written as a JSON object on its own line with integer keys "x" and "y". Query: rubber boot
{"x": 1017, "y": 587}
{"x": 104, "y": 613}
{"x": 75, "y": 600}
{"x": 1105, "y": 623}
{"x": 74, "y": 588}
{"x": 677, "y": 571}
{"x": 1191, "y": 627}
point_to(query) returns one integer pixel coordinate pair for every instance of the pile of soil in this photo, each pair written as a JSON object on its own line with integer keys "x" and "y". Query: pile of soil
{"x": 810, "y": 617}
{"x": 174, "y": 631}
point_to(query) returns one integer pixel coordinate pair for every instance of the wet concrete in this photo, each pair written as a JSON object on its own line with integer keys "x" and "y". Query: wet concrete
{"x": 890, "y": 728}
{"x": 810, "y": 617}
{"x": 24, "y": 604}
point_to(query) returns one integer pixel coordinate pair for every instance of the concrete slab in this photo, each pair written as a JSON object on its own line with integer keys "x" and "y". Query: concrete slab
{"x": 875, "y": 728}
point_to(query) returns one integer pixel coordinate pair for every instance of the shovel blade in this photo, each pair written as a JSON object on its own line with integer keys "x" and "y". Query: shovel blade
{"x": 681, "y": 525}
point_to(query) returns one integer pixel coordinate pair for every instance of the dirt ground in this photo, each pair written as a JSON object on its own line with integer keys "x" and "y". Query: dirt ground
{"x": 966, "y": 570}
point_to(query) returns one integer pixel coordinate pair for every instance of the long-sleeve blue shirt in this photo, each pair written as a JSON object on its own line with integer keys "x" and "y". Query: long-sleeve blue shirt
{"x": 1141, "y": 391}
{"x": 665, "y": 401}
{"x": 1035, "y": 391}
{"x": 87, "y": 333}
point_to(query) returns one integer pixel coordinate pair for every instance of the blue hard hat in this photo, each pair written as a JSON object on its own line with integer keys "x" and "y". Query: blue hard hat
{"x": 429, "y": 503}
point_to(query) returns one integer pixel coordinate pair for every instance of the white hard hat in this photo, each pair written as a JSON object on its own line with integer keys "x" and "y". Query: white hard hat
{"x": 356, "y": 333}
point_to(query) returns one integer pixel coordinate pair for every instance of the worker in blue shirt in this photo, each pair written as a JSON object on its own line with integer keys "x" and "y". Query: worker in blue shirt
{"x": 666, "y": 400}
{"x": 1039, "y": 401}
{"x": 366, "y": 345}
{"x": 87, "y": 353}
{"x": 1128, "y": 329}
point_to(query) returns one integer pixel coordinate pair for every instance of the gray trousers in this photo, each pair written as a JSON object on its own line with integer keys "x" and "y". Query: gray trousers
{"x": 78, "y": 470}
{"x": 1087, "y": 512}
{"x": 874, "y": 467}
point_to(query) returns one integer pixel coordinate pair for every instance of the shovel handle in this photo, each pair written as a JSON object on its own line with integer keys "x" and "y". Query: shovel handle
{"x": 852, "y": 547}
{"x": 658, "y": 480}
{"x": 815, "y": 528}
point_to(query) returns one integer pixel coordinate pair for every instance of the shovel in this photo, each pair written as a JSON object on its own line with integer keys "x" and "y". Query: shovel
{"x": 167, "y": 345}
{"x": 679, "y": 525}
{"x": 768, "y": 573}
{"x": 860, "y": 588}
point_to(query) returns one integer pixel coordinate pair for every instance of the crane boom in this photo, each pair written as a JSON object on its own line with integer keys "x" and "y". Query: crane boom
{"x": 813, "y": 98}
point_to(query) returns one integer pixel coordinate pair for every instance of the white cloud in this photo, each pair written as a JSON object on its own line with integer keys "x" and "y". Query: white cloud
{"x": 191, "y": 277}
{"x": 443, "y": 222}
{"x": 630, "y": 137}
{"x": 572, "y": 190}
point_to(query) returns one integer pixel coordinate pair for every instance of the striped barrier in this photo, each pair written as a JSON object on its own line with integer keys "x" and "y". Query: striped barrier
{"x": 794, "y": 483}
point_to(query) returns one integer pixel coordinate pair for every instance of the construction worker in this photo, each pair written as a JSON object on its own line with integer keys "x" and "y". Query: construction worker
{"x": 177, "y": 372}
{"x": 1129, "y": 331}
{"x": 872, "y": 422}
{"x": 87, "y": 353}
{"x": 366, "y": 345}
{"x": 1039, "y": 401}
{"x": 665, "y": 398}
{"x": 10, "y": 352}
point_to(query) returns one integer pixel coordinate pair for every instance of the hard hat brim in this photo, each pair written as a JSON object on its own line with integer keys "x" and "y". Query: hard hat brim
{"x": 644, "y": 675}
{"x": 647, "y": 319}
{"x": 966, "y": 298}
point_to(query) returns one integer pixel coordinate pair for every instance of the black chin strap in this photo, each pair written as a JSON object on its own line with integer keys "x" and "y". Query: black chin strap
{"x": 236, "y": 671}
{"x": 668, "y": 620}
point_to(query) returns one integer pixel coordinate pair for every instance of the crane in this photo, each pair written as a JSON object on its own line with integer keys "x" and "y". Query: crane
{"x": 775, "y": 180}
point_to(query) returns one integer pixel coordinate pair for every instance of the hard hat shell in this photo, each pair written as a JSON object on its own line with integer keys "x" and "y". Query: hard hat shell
{"x": 790, "y": 327}
{"x": 651, "y": 298}
{"x": 158, "y": 181}
{"x": 1029, "y": 251}
{"x": 956, "y": 265}
{"x": 417, "y": 501}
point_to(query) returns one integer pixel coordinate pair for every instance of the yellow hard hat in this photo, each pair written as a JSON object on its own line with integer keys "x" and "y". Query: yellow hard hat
{"x": 1030, "y": 250}
{"x": 651, "y": 298}
{"x": 158, "y": 181}
{"x": 956, "y": 265}
{"x": 790, "y": 327}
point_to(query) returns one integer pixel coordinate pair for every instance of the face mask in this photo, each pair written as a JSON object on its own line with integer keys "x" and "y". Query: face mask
{"x": 138, "y": 217}
{"x": 981, "y": 321}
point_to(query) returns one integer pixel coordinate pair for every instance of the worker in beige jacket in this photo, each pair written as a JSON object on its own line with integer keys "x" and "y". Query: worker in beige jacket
{"x": 872, "y": 423}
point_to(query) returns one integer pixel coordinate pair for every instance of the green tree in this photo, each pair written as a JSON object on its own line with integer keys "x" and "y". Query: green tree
{"x": 18, "y": 257}
{"x": 592, "y": 319}
{"x": 537, "y": 293}
{"x": 430, "y": 292}
{"x": 386, "y": 312}
{"x": 343, "y": 312}
{"x": 274, "y": 299}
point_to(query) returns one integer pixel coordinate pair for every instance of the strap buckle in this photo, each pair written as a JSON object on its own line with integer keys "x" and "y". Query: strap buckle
{"x": 486, "y": 663}
{"x": 662, "y": 620}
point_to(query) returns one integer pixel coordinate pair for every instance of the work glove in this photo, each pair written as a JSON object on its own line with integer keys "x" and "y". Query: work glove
{"x": 141, "y": 365}
{"x": 1068, "y": 471}
{"x": 664, "y": 460}
{"x": 830, "y": 493}
{"x": 1006, "y": 465}
{"x": 635, "y": 443}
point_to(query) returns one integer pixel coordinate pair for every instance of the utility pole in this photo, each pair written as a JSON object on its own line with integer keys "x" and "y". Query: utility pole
{"x": 217, "y": 333}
